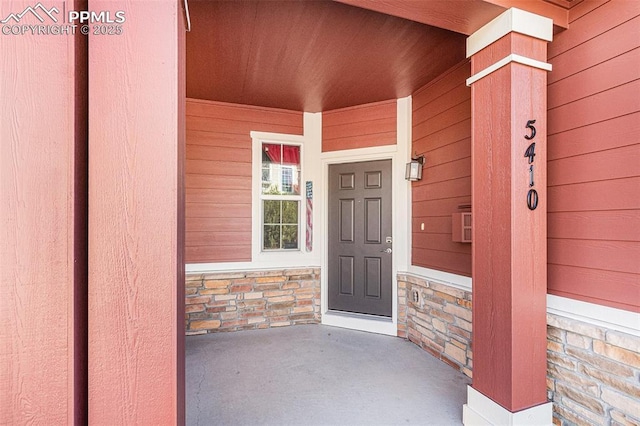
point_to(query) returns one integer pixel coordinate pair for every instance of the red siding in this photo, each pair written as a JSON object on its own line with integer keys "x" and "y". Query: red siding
{"x": 218, "y": 176}
{"x": 442, "y": 132}
{"x": 359, "y": 127}
{"x": 594, "y": 156}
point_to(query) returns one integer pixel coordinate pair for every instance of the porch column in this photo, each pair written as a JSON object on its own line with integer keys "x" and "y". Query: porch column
{"x": 43, "y": 272}
{"x": 136, "y": 225}
{"x": 509, "y": 109}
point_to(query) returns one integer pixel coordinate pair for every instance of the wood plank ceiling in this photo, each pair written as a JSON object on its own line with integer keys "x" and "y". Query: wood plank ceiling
{"x": 310, "y": 55}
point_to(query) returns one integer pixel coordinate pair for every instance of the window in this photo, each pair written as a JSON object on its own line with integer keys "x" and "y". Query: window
{"x": 280, "y": 196}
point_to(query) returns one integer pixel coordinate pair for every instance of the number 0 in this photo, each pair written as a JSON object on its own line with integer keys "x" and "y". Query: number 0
{"x": 532, "y": 199}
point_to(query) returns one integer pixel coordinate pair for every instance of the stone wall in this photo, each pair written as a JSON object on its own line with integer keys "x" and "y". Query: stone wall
{"x": 402, "y": 308}
{"x": 232, "y": 301}
{"x": 438, "y": 319}
{"x": 593, "y": 374}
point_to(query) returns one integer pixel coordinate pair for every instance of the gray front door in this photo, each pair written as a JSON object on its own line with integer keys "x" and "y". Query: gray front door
{"x": 360, "y": 237}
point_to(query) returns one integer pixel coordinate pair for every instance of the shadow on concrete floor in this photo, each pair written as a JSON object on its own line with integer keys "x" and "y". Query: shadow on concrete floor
{"x": 317, "y": 375}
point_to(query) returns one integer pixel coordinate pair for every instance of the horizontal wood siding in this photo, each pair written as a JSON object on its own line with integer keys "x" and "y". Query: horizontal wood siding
{"x": 362, "y": 126}
{"x": 218, "y": 176}
{"x": 442, "y": 132}
{"x": 594, "y": 156}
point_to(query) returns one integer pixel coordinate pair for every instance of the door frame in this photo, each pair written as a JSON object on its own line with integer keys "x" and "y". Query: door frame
{"x": 399, "y": 154}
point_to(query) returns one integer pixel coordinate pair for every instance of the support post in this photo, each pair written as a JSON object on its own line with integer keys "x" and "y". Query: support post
{"x": 43, "y": 266}
{"x": 136, "y": 221}
{"x": 509, "y": 108}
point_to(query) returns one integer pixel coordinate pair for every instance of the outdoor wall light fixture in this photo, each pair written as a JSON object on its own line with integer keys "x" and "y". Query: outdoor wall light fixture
{"x": 414, "y": 168}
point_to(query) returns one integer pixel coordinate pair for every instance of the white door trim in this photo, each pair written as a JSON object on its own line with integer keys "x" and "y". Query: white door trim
{"x": 399, "y": 155}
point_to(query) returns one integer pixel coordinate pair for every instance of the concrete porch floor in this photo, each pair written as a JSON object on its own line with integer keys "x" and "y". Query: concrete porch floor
{"x": 317, "y": 375}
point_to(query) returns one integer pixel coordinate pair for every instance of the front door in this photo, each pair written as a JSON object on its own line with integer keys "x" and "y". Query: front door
{"x": 360, "y": 240}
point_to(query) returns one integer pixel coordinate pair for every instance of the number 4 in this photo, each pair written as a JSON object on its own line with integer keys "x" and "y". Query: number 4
{"x": 531, "y": 152}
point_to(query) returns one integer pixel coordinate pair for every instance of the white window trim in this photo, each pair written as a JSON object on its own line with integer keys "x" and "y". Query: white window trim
{"x": 277, "y": 258}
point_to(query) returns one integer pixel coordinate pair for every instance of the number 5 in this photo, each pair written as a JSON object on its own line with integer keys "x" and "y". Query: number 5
{"x": 533, "y": 130}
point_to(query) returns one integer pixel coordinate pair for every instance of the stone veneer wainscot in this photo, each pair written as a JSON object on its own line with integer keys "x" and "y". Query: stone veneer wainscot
{"x": 437, "y": 318}
{"x": 232, "y": 301}
{"x": 593, "y": 373}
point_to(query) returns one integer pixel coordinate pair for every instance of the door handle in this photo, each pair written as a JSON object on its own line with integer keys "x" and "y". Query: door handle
{"x": 387, "y": 250}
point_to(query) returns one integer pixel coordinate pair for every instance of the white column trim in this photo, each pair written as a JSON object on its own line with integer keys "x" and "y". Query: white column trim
{"x": 404, "y": 114}
{"x": 513, "y": 20}
{"x": 482, "y": 411}
{"x": 505, "y": 61}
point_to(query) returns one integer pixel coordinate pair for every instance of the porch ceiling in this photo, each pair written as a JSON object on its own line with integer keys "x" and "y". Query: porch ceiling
{"x": 310, "y": 55}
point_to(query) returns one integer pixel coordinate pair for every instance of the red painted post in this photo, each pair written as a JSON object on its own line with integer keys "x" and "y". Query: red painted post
{"x": 42, "y": 220}
{"x": 136, "y": 223}
{"x": 509, "y": 204}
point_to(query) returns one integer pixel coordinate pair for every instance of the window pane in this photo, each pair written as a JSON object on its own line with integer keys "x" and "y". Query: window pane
{"x": 290, "y": 212}
{"x": 280, "y": 177}
{"x": 271, "y": 153}
{"x": 290, "y": 236}
{"x": 266, "y": 179}
{"x": 280, "y": 169}
{"x": 271, "y": 212}
{"x": 291, "y": 169}
{"x": 287, "y": 180}
{"x": 271, "y": 160}
{"x": 272, "y": 180}
{"x": 271, "y": 237}
{"x": 291, "y": 155}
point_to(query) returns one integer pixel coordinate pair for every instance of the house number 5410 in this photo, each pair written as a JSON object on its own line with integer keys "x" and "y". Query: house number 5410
{"x": 530, "y": 153}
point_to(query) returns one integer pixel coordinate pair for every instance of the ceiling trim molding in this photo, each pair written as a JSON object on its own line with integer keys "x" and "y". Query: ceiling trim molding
{"x": 549, "y": 8}
{"x": 468, "y": 16}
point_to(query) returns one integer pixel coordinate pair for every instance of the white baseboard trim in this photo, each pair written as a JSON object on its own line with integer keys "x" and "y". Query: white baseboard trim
{"x": 482, "y": 411}
{"x": 453, "y": 280}
{"x": 598, "y": 315}
{"x": 366, "y": 323}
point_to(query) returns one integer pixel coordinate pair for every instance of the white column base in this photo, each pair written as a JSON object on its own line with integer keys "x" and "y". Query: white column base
{"x": 482, "y": 411}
